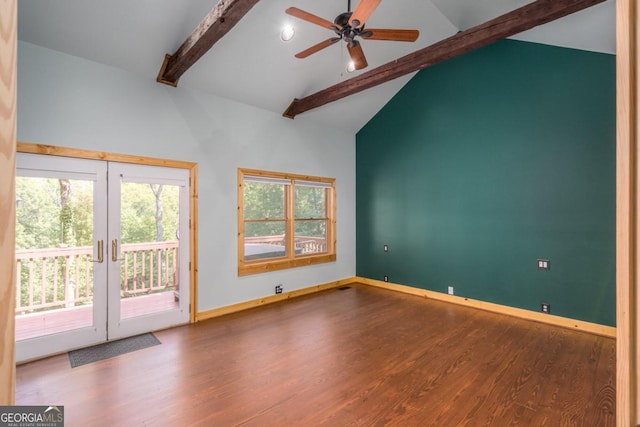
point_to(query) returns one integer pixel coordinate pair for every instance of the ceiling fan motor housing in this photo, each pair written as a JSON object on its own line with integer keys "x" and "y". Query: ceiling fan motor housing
{"x": 343, "y": 19}
{"x": 344, "y": 29}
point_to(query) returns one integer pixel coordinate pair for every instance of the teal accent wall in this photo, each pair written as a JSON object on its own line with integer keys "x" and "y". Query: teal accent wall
{"x": 487, "y": 162}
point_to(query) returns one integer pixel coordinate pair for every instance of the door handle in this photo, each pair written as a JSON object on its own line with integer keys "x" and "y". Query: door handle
{"x": 114, "y": 251}
{"x": 100, "y": 253}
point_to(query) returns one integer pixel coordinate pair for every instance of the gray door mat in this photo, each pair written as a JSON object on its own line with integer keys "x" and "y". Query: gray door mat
{"x": 111, "y": 349}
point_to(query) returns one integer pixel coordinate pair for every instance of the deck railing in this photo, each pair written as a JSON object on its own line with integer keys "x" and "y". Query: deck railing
{"x": 150, "y": 267}
{"x": 304, "y": 244}
{"x": 63, "y": 277}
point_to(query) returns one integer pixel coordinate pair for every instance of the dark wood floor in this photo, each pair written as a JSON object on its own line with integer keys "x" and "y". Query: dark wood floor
{"x": 356, "y": 357}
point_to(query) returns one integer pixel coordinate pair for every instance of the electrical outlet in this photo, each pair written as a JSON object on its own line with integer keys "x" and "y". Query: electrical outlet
{"x": 450, "y": 290}
{"x": 545, "y": 307}
{"x": 386, "y": 248}
{"x": 279, "y": 289}
{"x": 386, "y": 278}
{"x": 543, "y": 264}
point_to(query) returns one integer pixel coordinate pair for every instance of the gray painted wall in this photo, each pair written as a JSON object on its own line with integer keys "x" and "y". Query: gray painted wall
{"x": 71, "y": 102}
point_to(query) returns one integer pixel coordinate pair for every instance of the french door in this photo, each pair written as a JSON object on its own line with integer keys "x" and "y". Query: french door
{"x": 102, "y": 252}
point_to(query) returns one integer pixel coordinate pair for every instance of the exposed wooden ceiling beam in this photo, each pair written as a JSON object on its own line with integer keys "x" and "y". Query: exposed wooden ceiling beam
{"x": 213, "y": 27}
{"x": 533, "y": 14}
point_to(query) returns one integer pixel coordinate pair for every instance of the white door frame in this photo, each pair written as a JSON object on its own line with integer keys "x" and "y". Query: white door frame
{"x": 124, "y": 172}
{"x": 61, "y": 167}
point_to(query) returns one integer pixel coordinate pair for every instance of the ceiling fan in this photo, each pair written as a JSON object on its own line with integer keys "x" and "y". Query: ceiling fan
{"x": 348, "y": 26}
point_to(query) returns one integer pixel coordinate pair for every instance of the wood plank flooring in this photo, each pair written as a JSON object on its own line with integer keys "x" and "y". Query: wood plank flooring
{"x": 357, "y": 357}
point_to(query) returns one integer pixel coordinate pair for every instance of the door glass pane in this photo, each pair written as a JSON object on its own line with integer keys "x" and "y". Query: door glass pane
{"x": 148, "y": 251}
{"x": 54, "y": 249}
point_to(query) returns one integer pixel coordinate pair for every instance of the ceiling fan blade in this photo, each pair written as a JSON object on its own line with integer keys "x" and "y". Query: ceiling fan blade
{"x": 364, "y": 9}
{"x": 357, "y": 55}
{"x": 390, "y": 34}
{"x": 310, "y": 17}
{"x": 317, "y": 47}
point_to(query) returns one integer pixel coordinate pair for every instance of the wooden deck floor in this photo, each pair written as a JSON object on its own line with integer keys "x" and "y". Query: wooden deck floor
{"x": 357, "y": 357}
{"x": 54, "y": 321}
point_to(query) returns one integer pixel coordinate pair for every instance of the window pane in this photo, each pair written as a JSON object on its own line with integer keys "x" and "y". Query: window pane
{"x": 311, "y": 237}
{"x": 263, "y": 200}
{"x": 264, "y": 240}
{"x": 310, "y": 202}
{"x": 284, "y": 220}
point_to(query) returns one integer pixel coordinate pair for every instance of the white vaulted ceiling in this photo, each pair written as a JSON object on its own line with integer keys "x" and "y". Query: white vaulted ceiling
{"x": 252, "y": 65}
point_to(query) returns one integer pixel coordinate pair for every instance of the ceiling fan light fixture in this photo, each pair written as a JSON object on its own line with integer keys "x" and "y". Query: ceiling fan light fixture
{"x": 351, "y": 67}
{"x": 287, "y": 33}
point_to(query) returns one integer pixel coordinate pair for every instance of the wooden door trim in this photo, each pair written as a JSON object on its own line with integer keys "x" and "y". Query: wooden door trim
{"x": 8, "y": 94}
{"x": 627, "y": 214}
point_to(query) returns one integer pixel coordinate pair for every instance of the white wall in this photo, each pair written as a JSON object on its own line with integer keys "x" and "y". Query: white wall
{"x": 71, "y": 102}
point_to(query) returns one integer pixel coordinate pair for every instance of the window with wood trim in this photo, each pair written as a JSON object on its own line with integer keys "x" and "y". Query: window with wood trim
{"x": 284, "y": 221}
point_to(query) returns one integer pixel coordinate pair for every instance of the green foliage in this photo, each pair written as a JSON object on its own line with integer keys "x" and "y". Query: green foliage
{"x": 66, "y": 224}
{"x": 310, "y": 202}
{"x": 266, "y": 201}
{"x": 42, "y": 221}
{"x": 40, "y": 215}
{"x": 37, "y": 216}
{"x": 311, "y": 228}
{"x": 83, "y": 212}
{"x": 138, "y": 210}
{"x": 271, "y": 228}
